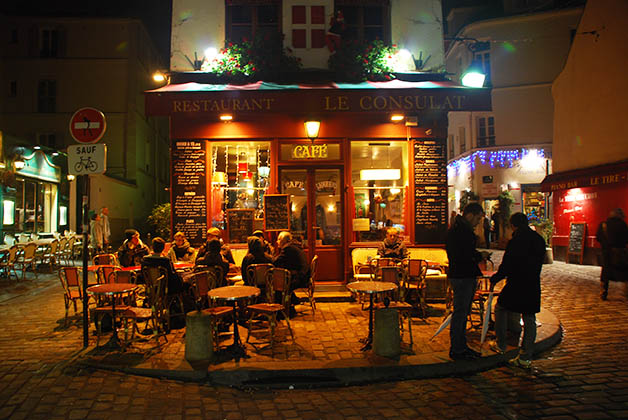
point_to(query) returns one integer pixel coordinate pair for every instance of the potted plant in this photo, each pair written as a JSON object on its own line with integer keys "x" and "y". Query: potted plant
{"x": 545, "y": 228}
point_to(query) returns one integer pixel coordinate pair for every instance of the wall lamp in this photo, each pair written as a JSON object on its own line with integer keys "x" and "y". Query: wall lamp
{"x": 474, "y": 76}
{"x": 397, "y": 117}
{"x": 19, "y": 163}
{"x": 226, "y": 117}
{"x": 160, "y": 77}
{"x": 311, "y": 129}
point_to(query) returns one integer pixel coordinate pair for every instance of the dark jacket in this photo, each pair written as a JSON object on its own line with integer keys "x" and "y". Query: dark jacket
{"x": 388, "y": 249}
{"x": 129, "y": 257}
{"x": 521, "y": 264}
{"x": 224, "y": 250}
{"x": 249, "y": 259}
{"x": 293, "y": 258}
{"x": 175, "y": 284}
{"x": 213, "y": 260}
{"x": 461, "y": 252}
{"x": 181, "y": 253}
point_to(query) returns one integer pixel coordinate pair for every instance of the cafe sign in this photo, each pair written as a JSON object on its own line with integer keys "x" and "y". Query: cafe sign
{"x": 309, "y": 151}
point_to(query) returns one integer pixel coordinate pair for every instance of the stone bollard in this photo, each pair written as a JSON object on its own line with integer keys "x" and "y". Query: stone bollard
{"x": 199, "y": 346}
{"x": 386, "y": 338}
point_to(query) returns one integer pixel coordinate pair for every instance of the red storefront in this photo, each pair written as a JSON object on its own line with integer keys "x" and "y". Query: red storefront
{"x": 233, "y": 145}
{"x": 585, "y": 196}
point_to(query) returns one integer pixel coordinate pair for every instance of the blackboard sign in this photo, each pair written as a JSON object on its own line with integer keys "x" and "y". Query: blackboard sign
{"x": 276, "y": 212}
{"x": 430, "y": 191}
{"x": 189, "y": 199}
{"x": 240, "y": 224}
{"x": 577, "y": 235}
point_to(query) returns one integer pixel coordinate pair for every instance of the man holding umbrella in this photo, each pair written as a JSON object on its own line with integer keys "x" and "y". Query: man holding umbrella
{"x": 521, "y": 296}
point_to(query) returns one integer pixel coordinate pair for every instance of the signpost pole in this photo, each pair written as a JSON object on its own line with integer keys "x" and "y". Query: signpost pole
{"x": 85, "y": 249}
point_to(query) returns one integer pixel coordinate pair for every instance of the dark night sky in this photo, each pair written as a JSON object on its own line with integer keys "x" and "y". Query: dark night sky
{"x": 155, "y": 14}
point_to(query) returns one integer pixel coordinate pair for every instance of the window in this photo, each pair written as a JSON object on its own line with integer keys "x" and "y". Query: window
{"x": 308, "y": 20}
{"x": 46, "y": 96}
{"x": 486, "y": 131}
{"x": 451, "y": 146}
{"x": 245, "y": 21}
{"x": 365, "y": 23}
{"x": 12, "y": 89}
{"x": 14, "y": 36}
{"x": 463, "y": 140}
{"x": 379, "y": 175}
{"x": 484, "y": 60}
{"x": 49, "y": 43}
{"x": 47, "y": 140}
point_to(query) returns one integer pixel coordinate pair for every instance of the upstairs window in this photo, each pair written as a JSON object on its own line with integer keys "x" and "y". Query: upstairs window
{"x": 486, "y": 131}
{"x": 46, "y": 96}
{"x": 13, "y": 89}
{"x": 49, "y": 43}
{"x": 47, "y": 140}
{"x": 308, "y": 26}
{"x": 366, "y": 22}
{"x": 246, "y": 21}
{"x": 463, "y": 139}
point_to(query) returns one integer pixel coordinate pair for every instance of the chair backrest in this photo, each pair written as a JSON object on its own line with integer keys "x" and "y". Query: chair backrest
{"x": 206, "y": 280}
{"x": 29, "y": 251}
{"x": 9, "y": 239}
{"x": 377, "y": 264}
{"x": 416, "y": 269}
{"x": 313, "y": 268}
{"x": 256, "y": 274}
{"x": 362, "y": 256}
{"x": 391, "y": 274}
{"x": 156, "y": 279}
{"x": 70, "y": 278}
{"x": 106, "y": 259}
{"x": 104, "y": 273}
{"x": 12, "y": 256}
{"x": 152, "y": 273}
{"x": 54, "y": 245}
{"x": 278, "y": 280}
{"x": 63, "y": 243}
{"x": 121, "y": 276}
{"x": 23, "y": 238}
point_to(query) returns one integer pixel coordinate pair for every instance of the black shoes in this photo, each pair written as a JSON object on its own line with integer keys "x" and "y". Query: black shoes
{"x": 466, "y": 354}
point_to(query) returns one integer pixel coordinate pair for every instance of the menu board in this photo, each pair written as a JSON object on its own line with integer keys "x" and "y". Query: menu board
{"x": 577, "y": 232}
{"x": 240, "y": 224}
{"x": 430, "y": 191}
{"x": 276, "y": 212}
{"x": 189, "y": 199}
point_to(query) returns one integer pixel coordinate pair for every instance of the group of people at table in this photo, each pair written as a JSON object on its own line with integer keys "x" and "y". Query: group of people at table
{"x": 214, "y": 252}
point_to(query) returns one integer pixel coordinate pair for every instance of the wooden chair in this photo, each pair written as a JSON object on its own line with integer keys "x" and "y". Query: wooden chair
{"x": 307, "y": 293}
{"x": 416, "y": 271}
{"x": 27, "y": 258}
{"x": 7, "y": 264}
{"x": 60, "y": 254}
{"x": 204, "y": 281}
{"x": 151, "y": 274}
{"x": 377, "y": 263}
{"x": 481, "y": 295}
{"x": 256, "y": 276}
{"x": 103, "y": 273}
{"x": 277, "y": 280}
{"x": 106, "y": 259}
{"x": 49, "y": 254}
{"x": 70, "y": 278}
{"x": 395, "y": 274}
{"x": 9, "y": 239}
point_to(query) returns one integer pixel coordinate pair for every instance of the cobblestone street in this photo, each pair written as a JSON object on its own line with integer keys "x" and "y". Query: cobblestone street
{"x": 583, "y": 377}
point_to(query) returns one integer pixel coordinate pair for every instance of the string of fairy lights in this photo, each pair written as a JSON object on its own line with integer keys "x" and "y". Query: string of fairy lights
{"x": 502, "y": 158}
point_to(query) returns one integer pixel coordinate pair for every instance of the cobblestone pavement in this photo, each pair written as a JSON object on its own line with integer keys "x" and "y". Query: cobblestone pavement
{"x": 581, "y": 378}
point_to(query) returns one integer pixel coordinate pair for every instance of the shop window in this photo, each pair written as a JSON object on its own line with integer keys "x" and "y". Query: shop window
{"x": 240, "y": 174}
{"x": 8, "y": 215}
{"x": 46, "y": 96}
{"x": 245, "y": 21}
{"x": 534, "y": 205}
{"x": 486, "y": 131}
{"x": 35, "y": 206}
{"x": 379, "y": 172}
{"x": 365, "y": 23}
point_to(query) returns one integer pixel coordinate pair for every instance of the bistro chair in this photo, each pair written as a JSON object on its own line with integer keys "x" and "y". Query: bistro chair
{"x": 277, "y": 280}
{"x": 106, "y": 259}
{"x": 9, "y": 239}
{"x": 416, "y": 270}
{"x": 396, "y": 275}
{"x": 307, "y": 293}
{"x": 59, "y": 255}
{"x": 103, "y": 273}
{"x": 151, "y": 274}
{"x": 256, "y": 276}
{"x": 377, "y": 264}
{"x": 204, "y": 281}
{"x": 27, "y": 258}
{"x": 7, "y": 264}
{"x": 49, "y": 254}
{"x": 481, "y": 294}
{"x": 72, "y": 291}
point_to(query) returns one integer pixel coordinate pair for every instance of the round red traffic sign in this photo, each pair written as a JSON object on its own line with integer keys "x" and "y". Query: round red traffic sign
{"x": 87, "y": 125}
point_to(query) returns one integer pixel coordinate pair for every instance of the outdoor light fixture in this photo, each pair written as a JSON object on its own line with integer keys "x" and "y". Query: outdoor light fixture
{"x": 159, "y": 77}
{"x": 397, "y": 117}
{"x": 226, "y": 117}
{"x": 311, "y": 129}
{"x": 474, "y": 76}
{"x": 37, "y": 147}
{"x": 263, "y": 171}
{"x": 380, "y": 174}
{"x": 55, "y": 154}
{"x": 19, "y": 163}
{"x": 71, "y": 177}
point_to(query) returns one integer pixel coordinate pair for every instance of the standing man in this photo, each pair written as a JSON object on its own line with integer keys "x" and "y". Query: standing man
{"x": 612, "y": 235}
{"x": 463, "y": 273}
{"x": 106, "y": 228}
{"x": 521, "y": 296}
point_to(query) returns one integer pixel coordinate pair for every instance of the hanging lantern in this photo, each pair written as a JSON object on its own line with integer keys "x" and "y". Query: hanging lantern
{"x": 243, "y": 167}
{"x": 219, "y": 178}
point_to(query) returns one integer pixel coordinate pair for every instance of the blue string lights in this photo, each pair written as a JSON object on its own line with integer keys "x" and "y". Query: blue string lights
{"x": 501, "y": 158}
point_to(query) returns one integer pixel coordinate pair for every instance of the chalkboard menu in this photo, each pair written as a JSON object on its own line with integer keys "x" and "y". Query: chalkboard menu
{"x": 276, "y": 212}
{"x": 430, "y": 191}
{"x": 577, "y": 235}
{"x": 189, "y": 199}
{"x": 240, "y": 224}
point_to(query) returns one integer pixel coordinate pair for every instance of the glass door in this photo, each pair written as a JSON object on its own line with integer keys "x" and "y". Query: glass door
{"x": 317, "y": 215}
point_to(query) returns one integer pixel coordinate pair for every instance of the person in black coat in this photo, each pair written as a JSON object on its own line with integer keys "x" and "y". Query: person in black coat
{"x": 612, "y": 235}
{"x": 293, "y": 258}
{"x": 521, "y": 296}
{"x": 175, "y": 283}
{"x": 214, "y": 258}
{"x": 256, "y": 255}
{"x": 462, "y": 274}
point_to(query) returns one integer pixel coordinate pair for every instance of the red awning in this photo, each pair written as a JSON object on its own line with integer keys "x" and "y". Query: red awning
{"x": 594, "y": 176}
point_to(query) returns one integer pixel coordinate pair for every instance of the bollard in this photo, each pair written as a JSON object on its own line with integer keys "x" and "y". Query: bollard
{"x": 386, "y": 338}
{"x": 199, "y": 346}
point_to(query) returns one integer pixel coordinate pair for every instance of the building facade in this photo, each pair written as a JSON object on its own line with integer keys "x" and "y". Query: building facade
{"x": 590, "y": 176}
{"x": 241, "y": 157}
{"x": 50, "y": 68}
{"x": 510, "y": 147}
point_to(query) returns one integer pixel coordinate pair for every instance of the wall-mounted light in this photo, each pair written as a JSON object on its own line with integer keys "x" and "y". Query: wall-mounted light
{"x": 397, "y": 117}
{"x": 160, "y": 77}
{"x": 474, "y": 76}
{"x": 311, "y": 129}
{"x": 71, "y": 177}
{"x": 380, "y": 174}
{"x": 226, "y": 117}
{"x": 19, "y": 163}
{"x": 37, "y": 147}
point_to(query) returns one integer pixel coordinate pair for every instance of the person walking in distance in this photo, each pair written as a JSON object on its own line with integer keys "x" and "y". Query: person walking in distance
{"x": 106, "y": 228}
{"x": 612, "y": 234}
{"x": 521, "y": 296}
{"x": 463, "y": 273}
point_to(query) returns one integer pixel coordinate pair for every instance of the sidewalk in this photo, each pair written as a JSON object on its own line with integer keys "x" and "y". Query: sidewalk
{"x": 326, "y": 350}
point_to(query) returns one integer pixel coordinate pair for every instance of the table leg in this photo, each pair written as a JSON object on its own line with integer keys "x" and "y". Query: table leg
{"x": 114, "y": 342}
{"x": 369, "y": 340}
{"x": 237, "y": 349}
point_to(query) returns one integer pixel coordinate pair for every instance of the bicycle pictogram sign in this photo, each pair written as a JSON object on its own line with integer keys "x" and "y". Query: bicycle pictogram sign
{"x": 87, "y": 159}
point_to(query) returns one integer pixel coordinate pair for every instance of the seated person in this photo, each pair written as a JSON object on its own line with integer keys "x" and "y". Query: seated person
{"x": 214, "y": 258}
{"x": 181, "y": 251}
{"x": 265, "y": 244}
{"x": 214, "y": 233}
{"x": 256, "y": 255}
{"x": 392, "y": 246}
{"x": 292, "y": 257}
{"x": 175, "y": 283}
{"x": 132, "y": 249}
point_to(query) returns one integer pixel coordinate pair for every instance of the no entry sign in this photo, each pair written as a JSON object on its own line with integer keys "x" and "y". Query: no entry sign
{"x": 87, "y": 125}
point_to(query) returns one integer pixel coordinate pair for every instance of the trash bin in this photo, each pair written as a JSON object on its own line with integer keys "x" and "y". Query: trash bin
{"x": 199, "y": 345}
{"x": 386, "y": 338}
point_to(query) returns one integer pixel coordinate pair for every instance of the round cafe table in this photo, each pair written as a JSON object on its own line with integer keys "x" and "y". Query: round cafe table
{"x": 233, "y": 295}
{"x": 114, "y": 290}
{"x": 370, "y": 288}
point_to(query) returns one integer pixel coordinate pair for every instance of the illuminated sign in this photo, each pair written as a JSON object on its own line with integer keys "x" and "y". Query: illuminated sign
{"x": 309, "y": 151}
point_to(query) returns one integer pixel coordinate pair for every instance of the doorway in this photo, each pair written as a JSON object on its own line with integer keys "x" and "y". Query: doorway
{"x": 316, "y": 202}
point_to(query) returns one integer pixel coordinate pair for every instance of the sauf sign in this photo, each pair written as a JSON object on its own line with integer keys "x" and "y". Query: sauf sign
{"x": 87, "y": 159}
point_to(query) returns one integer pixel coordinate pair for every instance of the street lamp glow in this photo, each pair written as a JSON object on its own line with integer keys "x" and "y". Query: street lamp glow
{"x": 473, "y": 79}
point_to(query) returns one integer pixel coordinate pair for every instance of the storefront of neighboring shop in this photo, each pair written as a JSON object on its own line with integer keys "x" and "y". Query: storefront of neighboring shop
{"x": 241, "y": 160}
{"x": 31, "y": 201}
{"x": 585, "y": 196}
